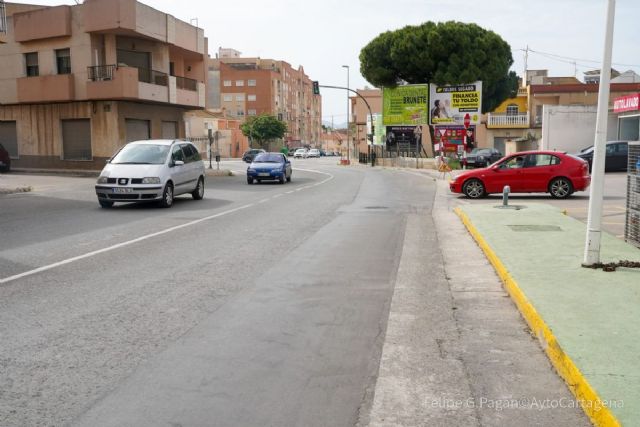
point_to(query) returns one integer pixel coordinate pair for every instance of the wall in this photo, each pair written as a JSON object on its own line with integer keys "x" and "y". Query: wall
{"x": 571, "y": 128}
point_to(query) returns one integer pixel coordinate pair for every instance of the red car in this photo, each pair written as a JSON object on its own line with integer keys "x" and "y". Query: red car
{"x": 553, "y": 172}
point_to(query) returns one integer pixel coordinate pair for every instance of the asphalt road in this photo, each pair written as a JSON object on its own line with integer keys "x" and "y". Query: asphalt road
{"x": 259, "y": 305}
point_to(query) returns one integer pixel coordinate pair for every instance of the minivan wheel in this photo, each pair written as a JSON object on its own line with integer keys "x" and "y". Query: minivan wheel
{"x": 105, "y": 204}
{"x": 198, "y": 192}
{"x": 560, "y": 188}
{"x": 167, "y": 196}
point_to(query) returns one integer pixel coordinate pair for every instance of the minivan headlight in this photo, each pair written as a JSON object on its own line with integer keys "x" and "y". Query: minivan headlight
{"x": 102, "y": 180}
{"x": 151, "y": 180}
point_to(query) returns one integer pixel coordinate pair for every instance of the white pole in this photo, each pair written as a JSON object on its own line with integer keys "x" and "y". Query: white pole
{"x": 594, "y": 221}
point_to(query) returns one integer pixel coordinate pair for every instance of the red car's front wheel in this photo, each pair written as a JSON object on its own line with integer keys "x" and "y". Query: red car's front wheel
{"x": 474, "y": 189}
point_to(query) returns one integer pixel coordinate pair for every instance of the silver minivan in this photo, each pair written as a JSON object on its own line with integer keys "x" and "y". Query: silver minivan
{"x": 153, "y": 170}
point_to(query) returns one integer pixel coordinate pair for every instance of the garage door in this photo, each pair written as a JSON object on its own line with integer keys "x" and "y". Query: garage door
{"x": 76, "y": 139}
{"x": 169, "y": 130}
{"x": 9, "y": 138}
{"x": 137, "y": 130}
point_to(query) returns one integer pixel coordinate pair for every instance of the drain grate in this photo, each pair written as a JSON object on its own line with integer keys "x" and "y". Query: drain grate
{"x": 534, "y": 227}
{"x": 376, "y": 207}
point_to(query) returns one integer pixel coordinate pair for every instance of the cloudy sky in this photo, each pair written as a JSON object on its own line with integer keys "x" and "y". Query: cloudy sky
{"x": 565, "y": 36}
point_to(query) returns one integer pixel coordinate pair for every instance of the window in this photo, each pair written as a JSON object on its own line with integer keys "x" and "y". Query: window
{"x": 227, "y": 98}
{"x": 76, "y": 139}
{"x": 251, "y": 97}
{"x": 63, "y": 61}
{"x": 251, "y": 112}
{"x": 251, "y": 82}
{"x": 512, "y": 110}
{"x": 239, "y": 82}
{"x": 240, "y": 97}
{"x": 31, "y": 62}
{"x": 176, "y": 153}
{"x": 240, "y": 113}
{"x": 189, "y": 152}
{"x": 226, "y": 83}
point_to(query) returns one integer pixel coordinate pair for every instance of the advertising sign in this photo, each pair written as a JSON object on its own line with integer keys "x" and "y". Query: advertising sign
{"x": 405, "y": 105}
{"x": 407, "y": 136}
{"x": 379, "y": 134}
{"x": 627, "y": 103}
{"x": 453, "y": 138}
{"x": 450, "y": 104}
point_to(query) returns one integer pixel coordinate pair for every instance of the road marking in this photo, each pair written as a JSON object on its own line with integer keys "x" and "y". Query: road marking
{"x": 142, "y": 238}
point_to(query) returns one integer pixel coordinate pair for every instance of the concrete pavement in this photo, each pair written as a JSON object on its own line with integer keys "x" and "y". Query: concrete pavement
{"x": 585, "y": 320}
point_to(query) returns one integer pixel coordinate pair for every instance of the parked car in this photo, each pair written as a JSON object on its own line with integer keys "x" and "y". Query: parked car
{"x": 556, "y": 173}
{"x": 616, "y": 158}
{"x": 250, "y": 154}
{"x": 151, "y": 171}
{"x": 482, "y": 157}
{"x": 5, "y": 160}
{"x": 269, "y": 167}
{"x": 301, "y": 153}
{"x": 314, "y": 152}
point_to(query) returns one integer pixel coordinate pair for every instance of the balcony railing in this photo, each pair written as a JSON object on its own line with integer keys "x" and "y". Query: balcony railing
{"x": 145, "y": 75}
{"x": 100, "y": 73}
{"x": 186, "y": 84}
{"x": 508, "y": 120}
{"x": 3, "y": 18}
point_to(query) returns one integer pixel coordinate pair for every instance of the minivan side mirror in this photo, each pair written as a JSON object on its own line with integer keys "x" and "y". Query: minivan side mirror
{"x": 178, "y": 163}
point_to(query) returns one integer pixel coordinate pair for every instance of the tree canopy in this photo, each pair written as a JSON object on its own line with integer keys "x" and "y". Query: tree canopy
{"x": 442, "y": 53}
{"x": 263, "y": 128}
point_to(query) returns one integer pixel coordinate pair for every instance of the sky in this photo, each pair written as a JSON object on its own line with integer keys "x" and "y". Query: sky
{"x": 565, "y": 37}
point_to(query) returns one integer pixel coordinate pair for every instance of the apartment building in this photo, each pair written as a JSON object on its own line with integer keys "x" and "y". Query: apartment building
{"x": 82, "y": 80}
{"x": 245, "y": 87}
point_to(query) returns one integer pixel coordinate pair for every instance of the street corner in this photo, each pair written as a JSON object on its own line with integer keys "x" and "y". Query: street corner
{"x": 14, "y": 190}
{"x": 219, "y": 172}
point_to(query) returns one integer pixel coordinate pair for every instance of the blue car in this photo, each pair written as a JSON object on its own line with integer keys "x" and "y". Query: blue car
{"x": 269, "y": 167}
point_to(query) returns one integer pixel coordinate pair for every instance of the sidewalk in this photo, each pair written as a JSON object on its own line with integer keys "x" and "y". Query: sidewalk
{"x": 586, "y": 320}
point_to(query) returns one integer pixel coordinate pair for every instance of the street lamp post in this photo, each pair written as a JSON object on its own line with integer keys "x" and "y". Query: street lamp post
{"x": 348, "y": 118}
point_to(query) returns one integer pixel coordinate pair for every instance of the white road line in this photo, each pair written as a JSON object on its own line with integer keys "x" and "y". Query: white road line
{"x": 120, "y": 245}
{"x": 140, "y": 239}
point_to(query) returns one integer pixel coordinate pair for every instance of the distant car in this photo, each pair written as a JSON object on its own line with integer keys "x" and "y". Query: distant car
{"x": 314, "y": 152}
{"x": 5, "y": 160}
{"x": 617, "y": 156}
{"x": 482, "y": 157}
{"x": 300, "y": 153}
{"x": 249, "y": 155}
{"x": 151, "y": 171}
{"x": 269, "y": 167}
{"x": 556, "y": 173}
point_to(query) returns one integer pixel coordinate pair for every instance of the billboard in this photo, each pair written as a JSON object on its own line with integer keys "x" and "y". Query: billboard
{"x": 405, "y": 105}
{"x": 451, "y": 104}
{"x": 454, "y": 138}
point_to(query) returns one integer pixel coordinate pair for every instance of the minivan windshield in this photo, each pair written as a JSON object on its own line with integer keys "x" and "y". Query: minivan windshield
{"x": 141, "y": 154}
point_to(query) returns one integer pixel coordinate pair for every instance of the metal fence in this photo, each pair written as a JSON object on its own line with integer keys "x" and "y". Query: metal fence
{"x": 186, "y": 84}
{"x": 632, "y": 224}
{"x": 101, "y": 72}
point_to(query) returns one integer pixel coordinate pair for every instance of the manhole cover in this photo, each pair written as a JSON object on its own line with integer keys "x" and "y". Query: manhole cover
{"x": 535, "y": 228}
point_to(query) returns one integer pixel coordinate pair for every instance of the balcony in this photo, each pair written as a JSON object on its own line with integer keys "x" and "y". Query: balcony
{"x": 507, "y": 121}
{"x": 53, "y": 88}
{"x": 42, "y": 24}
{"x": 114, "y": 82}
{"x": 132, "y": 18}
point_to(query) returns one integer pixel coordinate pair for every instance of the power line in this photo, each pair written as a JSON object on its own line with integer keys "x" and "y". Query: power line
{"x": 571, "y": 60}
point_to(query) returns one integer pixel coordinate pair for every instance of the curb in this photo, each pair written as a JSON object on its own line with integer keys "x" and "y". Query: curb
{"x": 585, "y": 395}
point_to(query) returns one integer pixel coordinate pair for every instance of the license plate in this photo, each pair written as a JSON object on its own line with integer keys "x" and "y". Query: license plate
{"x": 122, "y": 190}
{"x": 263, "y": 174}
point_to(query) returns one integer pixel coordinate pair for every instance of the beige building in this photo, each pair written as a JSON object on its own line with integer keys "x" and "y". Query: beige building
{"x": 244, "y": 87}
{"x": 82, "y": 80}
{"x": 228, "y": 139}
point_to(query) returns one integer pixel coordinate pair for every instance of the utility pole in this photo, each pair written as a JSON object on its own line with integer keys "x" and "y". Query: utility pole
{"x": 526, "y": 59}
{"x": 594, "y": 220}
